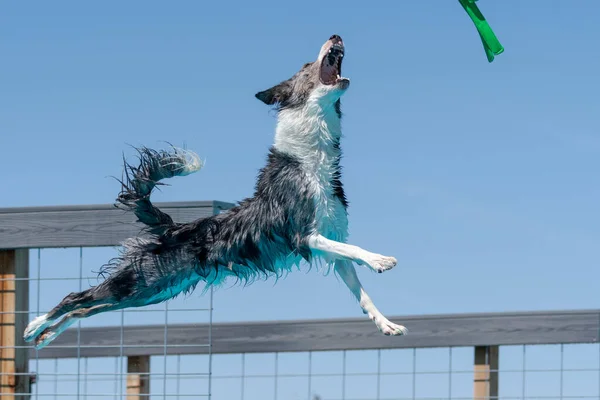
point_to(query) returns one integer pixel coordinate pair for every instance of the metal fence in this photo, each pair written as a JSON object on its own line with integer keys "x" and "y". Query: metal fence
{"x": 53, "y": 274}
{"x": 526, "y": 372}
{"x": 47, "y": 252}
{"x": 173, "y": 350}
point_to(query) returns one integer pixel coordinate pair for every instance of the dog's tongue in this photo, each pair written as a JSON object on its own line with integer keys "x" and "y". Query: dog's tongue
{"x": 328, "y": 72}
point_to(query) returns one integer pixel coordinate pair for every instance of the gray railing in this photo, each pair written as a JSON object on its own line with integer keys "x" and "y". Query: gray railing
{"x": 22, "y": 230}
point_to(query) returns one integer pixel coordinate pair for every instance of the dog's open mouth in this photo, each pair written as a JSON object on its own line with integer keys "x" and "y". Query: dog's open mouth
{"x": 331, "y": 65}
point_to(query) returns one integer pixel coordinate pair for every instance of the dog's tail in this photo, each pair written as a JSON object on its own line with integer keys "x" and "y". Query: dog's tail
{"x": 138, "y": 183}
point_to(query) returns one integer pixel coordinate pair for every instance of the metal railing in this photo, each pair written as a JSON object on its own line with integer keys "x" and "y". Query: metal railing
{"x": 173, "y": 350}
{"x": 36, "y": 273}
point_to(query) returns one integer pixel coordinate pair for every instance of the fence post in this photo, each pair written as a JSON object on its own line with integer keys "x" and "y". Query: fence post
{"x": 485, "y": 382}
{"x": 138, "y": 378}
{"x": 14, "y": 315}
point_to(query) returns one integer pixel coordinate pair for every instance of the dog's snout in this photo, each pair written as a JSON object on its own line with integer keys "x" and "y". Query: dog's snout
{"x": 335, "y": 39}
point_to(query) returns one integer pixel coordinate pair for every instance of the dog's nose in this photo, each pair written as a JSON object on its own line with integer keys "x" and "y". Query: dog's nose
{"x": 335, "y": 39}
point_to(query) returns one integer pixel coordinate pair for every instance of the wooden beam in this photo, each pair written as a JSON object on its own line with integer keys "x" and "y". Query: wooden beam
{"x": 14, "y": 305}
{"x": 88, "y": 225}
{"x": 138, "y": 378}
{"x": 457, "y": 330}
{"x": 485, "y": 381}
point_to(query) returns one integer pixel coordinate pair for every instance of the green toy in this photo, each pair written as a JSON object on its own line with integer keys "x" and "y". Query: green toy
{"x": 491, "y": 44}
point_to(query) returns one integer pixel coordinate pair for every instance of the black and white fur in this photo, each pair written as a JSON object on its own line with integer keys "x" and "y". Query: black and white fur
{"x": 298, "y": 212}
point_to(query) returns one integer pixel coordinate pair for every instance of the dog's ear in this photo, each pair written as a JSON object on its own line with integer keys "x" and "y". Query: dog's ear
{"x": 277, "y": 94}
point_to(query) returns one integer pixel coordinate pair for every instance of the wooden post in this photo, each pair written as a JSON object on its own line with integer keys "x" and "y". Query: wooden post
{"x": 138, "y": 380}
{"x": 485, "y": 383}
{"x": 14, "y": 308}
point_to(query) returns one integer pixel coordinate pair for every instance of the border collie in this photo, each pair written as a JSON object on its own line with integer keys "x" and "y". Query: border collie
{"x": 298, "y": 212}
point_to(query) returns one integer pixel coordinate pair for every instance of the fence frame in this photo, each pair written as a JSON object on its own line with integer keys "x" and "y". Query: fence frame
{"x": 95, "y": 225}
{"x": 105, "y": 225}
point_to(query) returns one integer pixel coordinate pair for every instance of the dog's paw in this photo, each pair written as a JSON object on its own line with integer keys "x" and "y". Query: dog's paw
{"x": 44, "y": 338}
{"x": 35, "y": 327}
{"x": 385, "y": 326}
{"x": 389, "y": 328}
{"x": 379, "y": 263}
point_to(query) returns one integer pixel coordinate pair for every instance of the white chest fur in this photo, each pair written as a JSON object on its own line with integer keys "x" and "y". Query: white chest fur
{"x": 310, "y": 134}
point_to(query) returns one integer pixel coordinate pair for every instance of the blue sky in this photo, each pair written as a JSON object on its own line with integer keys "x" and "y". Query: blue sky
{"x": 481, "y": 179}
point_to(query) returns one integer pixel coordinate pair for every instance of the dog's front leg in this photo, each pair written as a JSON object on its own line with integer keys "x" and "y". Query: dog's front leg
{"x": 343, "y": 251}
{"x": 346, "y": 271}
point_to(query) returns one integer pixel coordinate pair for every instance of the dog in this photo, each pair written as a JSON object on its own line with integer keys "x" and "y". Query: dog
{"x": 298, "y": 213}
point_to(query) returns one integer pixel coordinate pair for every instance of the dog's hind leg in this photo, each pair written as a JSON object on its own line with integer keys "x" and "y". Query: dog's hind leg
{"x": 346, "y": 271}
{"x": 115, "y": 288}
{"x": 68, "y": 304}
{"x": 343, "y": 251}
{"x": 52, "y": 332}
{"x": 123, "y": 289}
